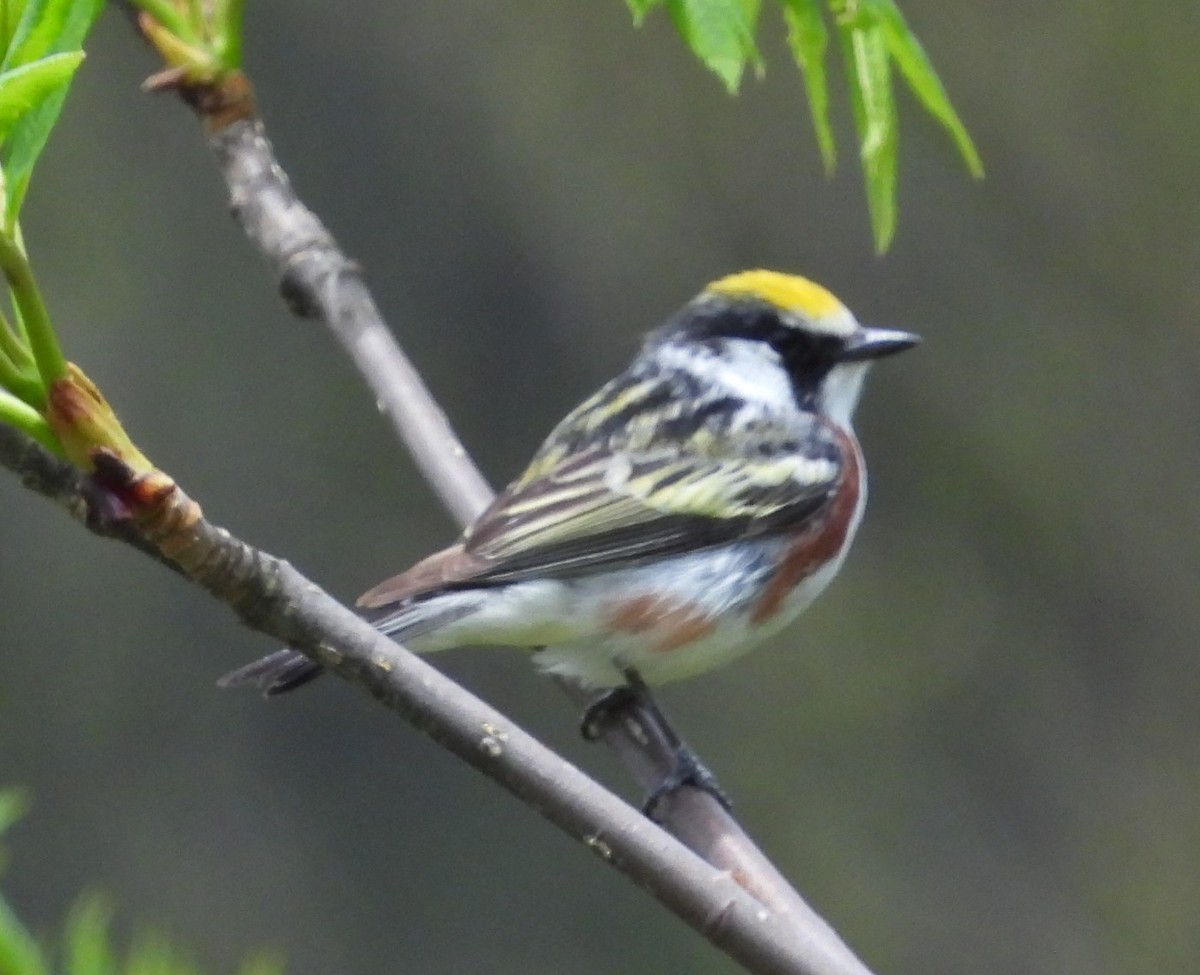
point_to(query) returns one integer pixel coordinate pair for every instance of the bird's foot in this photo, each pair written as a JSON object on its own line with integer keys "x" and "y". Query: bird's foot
{"x": 608, "y": 708}
{"x": 634, "y": 699}
{"x": 688, "y": 770}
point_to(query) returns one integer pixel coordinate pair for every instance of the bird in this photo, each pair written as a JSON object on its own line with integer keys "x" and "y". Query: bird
{"x": 689, "y": 509}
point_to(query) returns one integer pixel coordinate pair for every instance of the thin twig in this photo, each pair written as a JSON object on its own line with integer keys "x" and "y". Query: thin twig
{"x": 318, "y": 280}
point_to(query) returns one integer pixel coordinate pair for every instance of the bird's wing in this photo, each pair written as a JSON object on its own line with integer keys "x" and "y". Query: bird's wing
{"x": 617, "y": 503}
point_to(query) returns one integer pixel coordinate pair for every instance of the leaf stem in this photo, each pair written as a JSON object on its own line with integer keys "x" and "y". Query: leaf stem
{"x": 231, "y": 34}
{"x": 20, "y": 383}
{"x": 12, "y": 345}
{"x": 24, "y": 417}
{"x": 42, "y": 341}
{"x": 196, "y": 16}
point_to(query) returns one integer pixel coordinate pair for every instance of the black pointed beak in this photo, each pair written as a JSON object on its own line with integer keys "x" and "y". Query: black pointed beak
{"x": 875, "y": 343}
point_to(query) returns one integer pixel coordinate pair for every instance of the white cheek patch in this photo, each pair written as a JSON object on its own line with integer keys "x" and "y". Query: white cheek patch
{"x": 745, "y": 368}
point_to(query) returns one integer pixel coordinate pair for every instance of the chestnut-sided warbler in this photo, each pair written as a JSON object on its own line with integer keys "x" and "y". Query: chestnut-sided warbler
{"x": 691, "y": 507}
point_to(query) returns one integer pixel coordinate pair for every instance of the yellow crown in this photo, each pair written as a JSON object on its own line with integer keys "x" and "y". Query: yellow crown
{"x": 791, "y": 293}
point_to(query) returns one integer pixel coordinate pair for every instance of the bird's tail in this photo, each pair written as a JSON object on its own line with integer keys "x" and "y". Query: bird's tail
{"x": 276, "y": 673}
{"x": 286, "y": 670}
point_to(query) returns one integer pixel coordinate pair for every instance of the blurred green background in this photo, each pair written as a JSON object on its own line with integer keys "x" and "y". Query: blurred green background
{"x": 979, "y": 751}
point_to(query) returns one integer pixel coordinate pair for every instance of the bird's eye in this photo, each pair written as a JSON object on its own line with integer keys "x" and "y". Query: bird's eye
{"x": 805, "y": 355}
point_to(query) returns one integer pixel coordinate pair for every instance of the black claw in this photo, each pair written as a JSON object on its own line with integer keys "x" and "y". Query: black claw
{"x": 686, "y": 768}
{"x": 605, "y": 709}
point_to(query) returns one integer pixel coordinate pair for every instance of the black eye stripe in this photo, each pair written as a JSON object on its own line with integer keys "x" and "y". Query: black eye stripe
{"x": 748, "y": 319}
{"x": 806, "y": 355}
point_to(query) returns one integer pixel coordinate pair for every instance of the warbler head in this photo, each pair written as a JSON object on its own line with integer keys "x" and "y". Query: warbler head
{"x": 756, "y": 327}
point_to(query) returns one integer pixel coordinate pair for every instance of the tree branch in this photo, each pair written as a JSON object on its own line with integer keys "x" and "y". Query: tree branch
{"x": 318, "y": 280}
{"x": 272, "y": 597}
{"x": 53, "y": 478}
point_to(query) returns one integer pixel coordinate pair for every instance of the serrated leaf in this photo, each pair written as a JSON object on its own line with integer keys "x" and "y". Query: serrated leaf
{"x": 720, "y": 33}
{"x": 869, "y": 77}
{"x": 870, "y": 73}
{"x": 808, "y": 39}
{"x": 918, "y": 71}
{"x": 28, "y": 137}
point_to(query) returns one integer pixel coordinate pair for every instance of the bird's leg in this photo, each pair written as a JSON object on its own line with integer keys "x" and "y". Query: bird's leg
{"x": 607, "y": 708}
{"x": 634, "y": 700}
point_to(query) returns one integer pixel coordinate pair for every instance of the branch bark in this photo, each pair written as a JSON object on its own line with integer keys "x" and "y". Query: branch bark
{"x": 272, "y": 597}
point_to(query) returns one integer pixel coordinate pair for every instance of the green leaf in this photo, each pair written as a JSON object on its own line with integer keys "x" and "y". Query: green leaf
{"x": 639, "y": 8}
{"x": 10, "y": 17}
{"x": 20, "y": 20}
{"x": 28, "y": 137}
{"x": 869, "y": 76}
{"x": 720, "y": 33}
{"x": 915, "y": 66}
{"x": 153, "y": 954}
{"x": 49, "y": 27}
{"x": 87, "y": 947}
{"x": 25, "y": 86}
{"x": 171, "y": 18}
{"x": 262, "y": 963}
{"x": 13, "y": 805}
{"x": 13, "y": 802}
{"x": 808, "y": 39}
{"x": 19, "y": 953}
